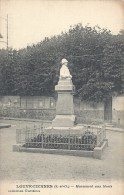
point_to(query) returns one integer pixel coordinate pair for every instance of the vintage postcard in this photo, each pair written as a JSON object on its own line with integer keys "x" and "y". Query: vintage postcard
{"x": 61, "y": 97}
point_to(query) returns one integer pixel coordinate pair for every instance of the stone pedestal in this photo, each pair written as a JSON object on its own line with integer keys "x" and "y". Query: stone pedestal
{"x": 64, "y": 109}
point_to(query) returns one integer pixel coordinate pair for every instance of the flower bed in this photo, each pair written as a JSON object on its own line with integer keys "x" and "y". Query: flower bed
{"x": 86, "y": 141}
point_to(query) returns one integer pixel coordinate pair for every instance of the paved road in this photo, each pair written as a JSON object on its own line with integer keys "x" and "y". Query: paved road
{"x": 38, "y": 167}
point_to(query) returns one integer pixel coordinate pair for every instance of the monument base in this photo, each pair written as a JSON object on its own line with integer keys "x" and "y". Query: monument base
{"x": 75, "y": 130}
{"x": 63, "y": 121}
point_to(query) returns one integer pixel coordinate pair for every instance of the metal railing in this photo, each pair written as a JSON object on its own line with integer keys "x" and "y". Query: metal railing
{"x": 36, "y": 137}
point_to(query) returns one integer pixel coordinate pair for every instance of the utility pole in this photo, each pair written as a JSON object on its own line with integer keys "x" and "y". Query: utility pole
{"x": 7, "y": 32}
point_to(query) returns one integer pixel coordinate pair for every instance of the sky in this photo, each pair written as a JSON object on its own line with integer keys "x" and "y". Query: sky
{"x": 30, "y": 21}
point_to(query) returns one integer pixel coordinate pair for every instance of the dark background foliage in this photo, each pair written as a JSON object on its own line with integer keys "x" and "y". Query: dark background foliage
{"x": 96, "y": 61}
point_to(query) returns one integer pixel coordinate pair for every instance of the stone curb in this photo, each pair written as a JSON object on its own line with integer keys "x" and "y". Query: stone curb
{"x": 38, "y": 120}
{"x": 4, "y": 126}
{"x": 25, "y": 119}
{"x": 97, "y": 153}
{"x": 115, "y": 129}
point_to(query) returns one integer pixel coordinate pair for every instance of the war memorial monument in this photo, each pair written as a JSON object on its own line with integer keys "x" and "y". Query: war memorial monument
{"x": 64, "y": 109}
{"x": 63, "y": 135}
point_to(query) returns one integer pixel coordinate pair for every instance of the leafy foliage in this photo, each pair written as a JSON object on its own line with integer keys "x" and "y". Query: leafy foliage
{"x": 86, "y": 141}
{"x": 96, "y": 59}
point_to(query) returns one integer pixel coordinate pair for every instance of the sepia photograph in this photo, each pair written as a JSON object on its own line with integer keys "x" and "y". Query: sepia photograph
{"x": 61, "y": 97}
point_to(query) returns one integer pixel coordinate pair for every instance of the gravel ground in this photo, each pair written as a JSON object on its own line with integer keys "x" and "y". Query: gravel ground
{"x": 20, "y": 166}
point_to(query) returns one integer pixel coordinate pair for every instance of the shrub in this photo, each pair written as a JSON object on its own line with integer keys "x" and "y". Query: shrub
{"x": 86, "y": 141}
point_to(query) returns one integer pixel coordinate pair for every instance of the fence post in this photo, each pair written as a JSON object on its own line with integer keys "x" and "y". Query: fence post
{"x": 104, "y": 127}
{"x": 26, "y": 135}
{"x": 42, "y": 136}
{"x": 17, "y": 136}
{"x": 69, "y": 142}
{"x": 97, "y": 136}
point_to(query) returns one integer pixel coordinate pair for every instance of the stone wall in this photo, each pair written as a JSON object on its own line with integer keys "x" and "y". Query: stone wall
{"x": 43, "y": 114}
{"x": 88, "y": 111}
{"x": 118, "y": 110}
{"x": 10, "y": 101}
{"x": 14, "y": 106}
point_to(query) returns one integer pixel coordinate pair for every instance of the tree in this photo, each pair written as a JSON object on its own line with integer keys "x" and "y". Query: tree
{"x": 95, "y": 60}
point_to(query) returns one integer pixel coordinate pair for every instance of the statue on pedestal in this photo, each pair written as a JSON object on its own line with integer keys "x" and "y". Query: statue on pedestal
{"x": 64, "y": 71}
{"x": 64, "y": 107}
